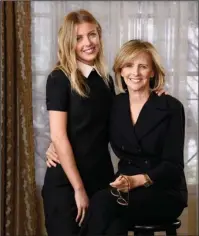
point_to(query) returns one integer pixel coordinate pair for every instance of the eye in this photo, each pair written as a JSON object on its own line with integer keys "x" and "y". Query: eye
{"x": 128, "y": 65}
{"x": 78, "y": 38}
{"x": 93, "y": 34}
{"x": 143, "y": 66}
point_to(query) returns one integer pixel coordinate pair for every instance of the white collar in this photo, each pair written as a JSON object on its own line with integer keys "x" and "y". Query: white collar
{"x": 86, "y": 69}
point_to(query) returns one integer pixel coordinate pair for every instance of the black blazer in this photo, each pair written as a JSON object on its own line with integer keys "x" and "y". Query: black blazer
{"x": 154, "y": 145}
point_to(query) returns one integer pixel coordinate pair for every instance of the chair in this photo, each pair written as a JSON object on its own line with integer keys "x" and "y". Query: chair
{"x": 149, "y": 229}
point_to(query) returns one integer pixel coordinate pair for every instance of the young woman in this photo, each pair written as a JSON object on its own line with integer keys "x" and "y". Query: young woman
{"x": 79, "y": 94}
{"x": 147, "y": 134}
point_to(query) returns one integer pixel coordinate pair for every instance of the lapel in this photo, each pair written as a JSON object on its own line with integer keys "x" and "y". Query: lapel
{"x": 124, "y": 121}
{"x": 154, "y": 111}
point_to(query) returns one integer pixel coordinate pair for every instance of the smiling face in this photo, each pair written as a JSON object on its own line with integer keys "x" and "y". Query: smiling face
{"x": 137, "y": 72}
{"x": 88, "y": 43}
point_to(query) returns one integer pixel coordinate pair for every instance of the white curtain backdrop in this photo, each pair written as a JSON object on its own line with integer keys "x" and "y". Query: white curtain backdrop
{"x": 172, "y": 26}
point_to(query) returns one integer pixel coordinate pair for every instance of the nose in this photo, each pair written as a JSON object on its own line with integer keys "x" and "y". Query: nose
{"x": 87, "y": 41}
{"x": 135, "y": 70}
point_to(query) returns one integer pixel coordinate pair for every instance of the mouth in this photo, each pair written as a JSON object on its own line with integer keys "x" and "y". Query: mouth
{"x": 135, "y": 80}
{"x": 89, "y": 50}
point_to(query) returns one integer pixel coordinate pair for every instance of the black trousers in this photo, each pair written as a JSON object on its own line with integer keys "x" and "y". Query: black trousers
{"x": 60, "y": 209}
{"x": 106, "y": 217}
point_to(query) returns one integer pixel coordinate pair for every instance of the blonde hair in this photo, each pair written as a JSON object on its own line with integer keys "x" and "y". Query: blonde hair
{"x": 130, "y": 50}
{"x": 67, "y": 61}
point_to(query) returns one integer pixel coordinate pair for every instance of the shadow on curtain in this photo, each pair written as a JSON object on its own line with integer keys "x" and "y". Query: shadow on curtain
{"x": 18, "y": 189}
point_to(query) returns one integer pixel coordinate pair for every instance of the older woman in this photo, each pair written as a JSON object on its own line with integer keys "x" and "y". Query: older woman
{"x": 147, "y": 135}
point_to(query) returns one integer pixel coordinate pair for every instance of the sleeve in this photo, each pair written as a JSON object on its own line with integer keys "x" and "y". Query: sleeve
{"x": 171, "y": 169}
{"x": 112, "y": 86}
{"x": 57, "y": 91}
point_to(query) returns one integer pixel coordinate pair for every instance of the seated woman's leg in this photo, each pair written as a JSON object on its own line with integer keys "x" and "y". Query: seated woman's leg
{"x": 102, "y": 213}
{"x": 152, "y": 205}
{"x": 118, "y": 227}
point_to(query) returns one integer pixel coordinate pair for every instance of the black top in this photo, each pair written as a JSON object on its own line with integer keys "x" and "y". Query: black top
{"x": 88, "y": 120}
{"x": 154, "y": 145}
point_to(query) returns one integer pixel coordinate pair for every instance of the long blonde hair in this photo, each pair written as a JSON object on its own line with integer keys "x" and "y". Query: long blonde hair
{"x": 130, "y": 50}
{"x": 67, "y": 60}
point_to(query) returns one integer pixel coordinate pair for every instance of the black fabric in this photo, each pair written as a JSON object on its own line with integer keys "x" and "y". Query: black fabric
{"x": 153, "y": 145}
{"x": 88, "y": 120}
{"x": 57, "y": 91}
{"x": 147, "y": 206}
{"x": 87, "y": 129}
{"x": 60, "y": 211}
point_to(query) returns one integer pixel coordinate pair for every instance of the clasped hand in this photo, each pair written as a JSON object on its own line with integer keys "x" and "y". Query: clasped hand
{"x": 124, "y": 183}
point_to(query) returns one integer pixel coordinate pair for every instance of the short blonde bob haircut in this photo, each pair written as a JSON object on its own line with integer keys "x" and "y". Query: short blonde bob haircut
{"x": 130, "y": 50}
{"x": 67, "y": 60}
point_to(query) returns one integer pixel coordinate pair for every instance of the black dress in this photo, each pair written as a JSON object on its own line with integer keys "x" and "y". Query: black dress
{"x": 154, "y": 145}
{"x": 88, "y": 121}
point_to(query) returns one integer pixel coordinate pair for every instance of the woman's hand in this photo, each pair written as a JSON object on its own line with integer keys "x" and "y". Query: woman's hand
{"x": 51, "y": 156}
{"x": 82, "y": 203}
{"x": 161, "y": 91}
{"x": 124, "y": 183}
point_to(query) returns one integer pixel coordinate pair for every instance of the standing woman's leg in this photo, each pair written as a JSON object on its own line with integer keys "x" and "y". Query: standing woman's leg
{"x": 60, "y": 211}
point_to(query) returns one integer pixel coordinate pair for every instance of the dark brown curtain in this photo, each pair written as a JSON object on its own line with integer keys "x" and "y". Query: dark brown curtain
{"x": 18, "y": 190}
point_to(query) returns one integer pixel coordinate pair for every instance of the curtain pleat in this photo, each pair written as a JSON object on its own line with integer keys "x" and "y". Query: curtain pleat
{"x": 18, "y": 187}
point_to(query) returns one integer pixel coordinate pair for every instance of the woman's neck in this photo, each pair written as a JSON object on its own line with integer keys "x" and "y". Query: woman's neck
{"x": 138, "y": 97}
{"x": 89, "y": 63}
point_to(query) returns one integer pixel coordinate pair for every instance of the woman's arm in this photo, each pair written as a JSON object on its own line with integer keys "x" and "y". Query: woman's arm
{"x": 58, "y": 92}
{"x": 170, "y": 170}
{"x": 58, "y": 134}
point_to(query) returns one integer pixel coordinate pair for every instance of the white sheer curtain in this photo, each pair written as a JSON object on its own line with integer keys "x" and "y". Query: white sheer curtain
{"x": 172, "y": 26}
